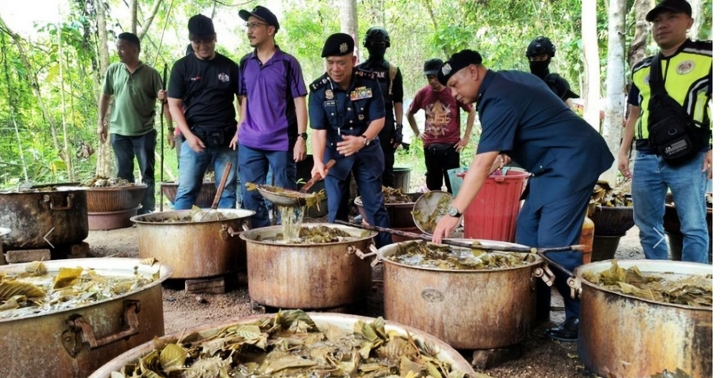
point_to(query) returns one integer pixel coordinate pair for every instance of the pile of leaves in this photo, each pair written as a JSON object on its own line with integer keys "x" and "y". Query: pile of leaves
{"x": 316, "y": 235}
{"x": 37, "y": 291}
{"x": 428, "y": 255}
{"x": 604, "y": 195}
{"x": 691, "y": 290}
{"x": 291, "y": 344}
{"x": 196, "y": 215}
{"x": 311, "y": 199}
{"x": 427, "y": 222}
{"x": 105, "y": 182}
{"x": 393, "y": 196}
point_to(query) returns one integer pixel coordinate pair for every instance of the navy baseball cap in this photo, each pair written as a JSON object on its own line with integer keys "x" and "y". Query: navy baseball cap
{"x": 338, "y": 44}
{"x": 673, "y": 6}
{"x": 457, "y": 62}
{"x": 262, "y": 13}
{"x": 431, "y": 66}
{"x": 200, "y": 26}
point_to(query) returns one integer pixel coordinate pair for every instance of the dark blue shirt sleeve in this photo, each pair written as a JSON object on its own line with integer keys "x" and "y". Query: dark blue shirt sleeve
{"x": 633, "y": 95}
{"x": 316, "y": 112}
{"x": 499, "y": 123}
{"x": 377, "y": 104}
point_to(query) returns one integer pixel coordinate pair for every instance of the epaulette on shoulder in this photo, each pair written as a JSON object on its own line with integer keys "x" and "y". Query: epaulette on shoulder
{"x": 319, "y": 83}
{"x": 365, "y": 74}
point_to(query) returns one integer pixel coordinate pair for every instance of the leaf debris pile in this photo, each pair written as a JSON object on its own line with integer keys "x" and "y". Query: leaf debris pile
{"x": 105, "y": 182}
{"x": 291, "y": 344}
{"x": 196, "y": 215}
{"x": 37, "y": 291}
{"x": 691, "y": 290}
{"x": 428, "y": 255}
{"x": 393, "y": 196}
{"x": 311, "y": 199}
{"x": 320, "y": 234}
{"x": 604, "y": 195}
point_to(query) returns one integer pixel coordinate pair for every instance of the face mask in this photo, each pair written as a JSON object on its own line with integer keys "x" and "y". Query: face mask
{"x": 540, "y": 69}
{"x": 376, "y": 51}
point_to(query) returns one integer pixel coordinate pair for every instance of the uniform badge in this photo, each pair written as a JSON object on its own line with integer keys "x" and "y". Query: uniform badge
{"x": 328, "y": 94}
{"x": 685, "y": 67}
{"x": 446, "y": 69}
{"x": 343, "y": 48}
{"x": 361, "y": 117}
{"x": 354, "y": 95}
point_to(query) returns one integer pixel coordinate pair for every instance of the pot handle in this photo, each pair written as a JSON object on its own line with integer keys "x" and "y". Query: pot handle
{"x": 351, "y": 249}
{"x": 227, "y": 231}
{"x": 84, "y": 334}
{"x": 544, "y": 273}
{"x": 49, "y": 202}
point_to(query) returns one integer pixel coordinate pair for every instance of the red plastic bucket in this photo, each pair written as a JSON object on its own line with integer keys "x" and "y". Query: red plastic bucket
{"x": 492, "y": 214}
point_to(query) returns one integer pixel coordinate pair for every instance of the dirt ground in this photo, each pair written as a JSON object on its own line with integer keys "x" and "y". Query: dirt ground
{"x": 540, "y": 356}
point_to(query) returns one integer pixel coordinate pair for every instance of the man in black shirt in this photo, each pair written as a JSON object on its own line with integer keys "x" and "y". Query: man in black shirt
{"x": 200, "y": 98}
{"x": 389, "y": 76}
{"x": 539, "y": 54}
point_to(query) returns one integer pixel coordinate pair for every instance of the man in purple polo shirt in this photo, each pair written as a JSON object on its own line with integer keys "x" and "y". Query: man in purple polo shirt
{"x": 272, "y": 132}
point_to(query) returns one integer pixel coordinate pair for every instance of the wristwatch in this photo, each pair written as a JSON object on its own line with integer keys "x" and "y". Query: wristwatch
{"x": 303, "y": 135}
{"x": 454, "y": 212}
{"x": 367, "y": 141}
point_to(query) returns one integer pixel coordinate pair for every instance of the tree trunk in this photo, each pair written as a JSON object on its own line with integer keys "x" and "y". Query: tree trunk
{"x": 637, "y": 50}
{"x": 149, "y": 21}
{"x": 66, "y": 150}
{"x": 697, "y": 13}
{"x": 589, "y": 34}
{"x": 104, "y": 156}
{"x": 349, "y": 22}
{"x": 134, "y": 16}
{"x": 615, "y": 83}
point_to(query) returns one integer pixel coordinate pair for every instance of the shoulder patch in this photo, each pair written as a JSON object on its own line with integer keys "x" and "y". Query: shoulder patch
{"x": 364, "y": 74}
{"x": 319, "y": 83}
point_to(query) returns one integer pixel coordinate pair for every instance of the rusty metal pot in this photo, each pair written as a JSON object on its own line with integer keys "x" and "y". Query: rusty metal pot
{"x": 75, "y": 342}
{"x": 309, "y": 276}
{"x": 625, "y": 336}
{"x": 44, "y": 219}
{"x": 342, "y": 321}
{"x": 3, "y": 232}
{"x": 193, "y": 249}
{"x": 468, "y": 309}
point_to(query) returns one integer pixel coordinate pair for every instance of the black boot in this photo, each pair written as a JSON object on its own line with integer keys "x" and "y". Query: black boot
{"x": 568, "y": 331}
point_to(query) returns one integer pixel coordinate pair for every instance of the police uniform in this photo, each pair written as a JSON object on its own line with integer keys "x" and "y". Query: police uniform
{"x": 349, "y": 112}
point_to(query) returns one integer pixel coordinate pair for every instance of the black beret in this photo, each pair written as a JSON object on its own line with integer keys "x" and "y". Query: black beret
{"x": 262, "y": 13}
{"x": 457, "y": 62}
{"x": 200, "y": 26}
{"x": 130, "y": 37}
{"x": 338, "y": 44}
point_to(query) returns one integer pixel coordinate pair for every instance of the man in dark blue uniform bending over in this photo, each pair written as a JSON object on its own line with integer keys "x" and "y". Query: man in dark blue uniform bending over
{"x": 347, "y": 112}
{"x": 523, "y": 119}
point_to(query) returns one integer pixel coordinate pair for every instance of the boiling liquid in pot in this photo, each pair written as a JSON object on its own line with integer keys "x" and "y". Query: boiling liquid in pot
{"x": 290, "y": 219}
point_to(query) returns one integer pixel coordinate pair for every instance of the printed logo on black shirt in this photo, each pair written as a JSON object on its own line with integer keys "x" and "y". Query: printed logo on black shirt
{"x": 195, "y": 78}
{"x": 223, "y": 77}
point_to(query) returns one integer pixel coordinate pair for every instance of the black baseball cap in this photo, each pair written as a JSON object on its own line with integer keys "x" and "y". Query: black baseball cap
{"x": 338, "y": 44}
{"x": 262, "y": 13}
{"x": 200, "y": 26}
{"x": 431, "y": 66}
{"x": 673, "y": 6}
{"x": 457, "y": 62}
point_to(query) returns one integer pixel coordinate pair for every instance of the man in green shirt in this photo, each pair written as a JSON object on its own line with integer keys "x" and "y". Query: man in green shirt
{"x": 134, "y": 86}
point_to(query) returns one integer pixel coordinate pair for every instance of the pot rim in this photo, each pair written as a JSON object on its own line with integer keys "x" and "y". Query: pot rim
{"x": 106, "y": 189}
{"x": 139, "y": 219}
{"x": 371, "y": 235}
{"x": 596, "y": 267}
{"x": 452, "y": 355}
{"x": 105, "y": 263}
{"x": 58, "y": 190}
{"x": 383, "y": 251}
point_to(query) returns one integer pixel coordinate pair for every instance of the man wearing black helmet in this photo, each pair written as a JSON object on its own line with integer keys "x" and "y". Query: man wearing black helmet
{"x": 377, "y": 41}
{"x": 346, "y": 112}
{"x": 539, "y": 54}
{"x": 563, "y": 153}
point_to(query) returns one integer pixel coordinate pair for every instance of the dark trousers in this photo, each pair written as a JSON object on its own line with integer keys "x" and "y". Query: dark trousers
{"x": 389, "y": 154}
{"x": 554, "y": 224}
{"x": 369, "y": 187}
{"x": 142, "y": 147}
{"x": 439, "y": 159}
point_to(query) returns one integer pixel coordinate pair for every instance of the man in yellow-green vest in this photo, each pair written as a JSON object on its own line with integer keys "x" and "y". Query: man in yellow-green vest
{"x": 664, "y": 159}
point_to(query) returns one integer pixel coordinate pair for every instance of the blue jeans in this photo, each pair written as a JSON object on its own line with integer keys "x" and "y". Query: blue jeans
{"x": 142, "y": 147}
{"x": 253, "y": 165}
{"x": 652, "y": 177}
{"x": 192, "y": 169}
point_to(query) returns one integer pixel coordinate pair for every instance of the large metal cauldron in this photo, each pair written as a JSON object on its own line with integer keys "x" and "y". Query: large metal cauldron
{"x": 308, "y": 276}
{"x": 193, "y": 249}
{"x": 625, "y": 336}
{"x": 60, "y": 216}
{"x": 468, "y": 309}
{"x": 342, "y": 321}
{"x": 75, "y": 342}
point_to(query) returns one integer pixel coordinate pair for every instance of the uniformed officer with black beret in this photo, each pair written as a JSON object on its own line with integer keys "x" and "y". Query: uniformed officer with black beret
{"x": 347, "y": 112}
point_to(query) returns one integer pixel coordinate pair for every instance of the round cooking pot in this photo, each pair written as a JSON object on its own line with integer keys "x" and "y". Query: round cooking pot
{"x": 44, "y": 219}
{"x": 625, "y": 336}
{"x": 309, "y": 276}
{"x": 468, "y": 309}
{"x": 193, "y": 249}
{"x": 107, "y": 199}
{"x": 342, "y": 321}
{"x": 76, "y": 341}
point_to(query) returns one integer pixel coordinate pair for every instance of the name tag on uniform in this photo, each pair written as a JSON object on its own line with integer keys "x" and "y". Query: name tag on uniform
{"x": 329, "y": 104}
{"x": 361, "y": 93}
